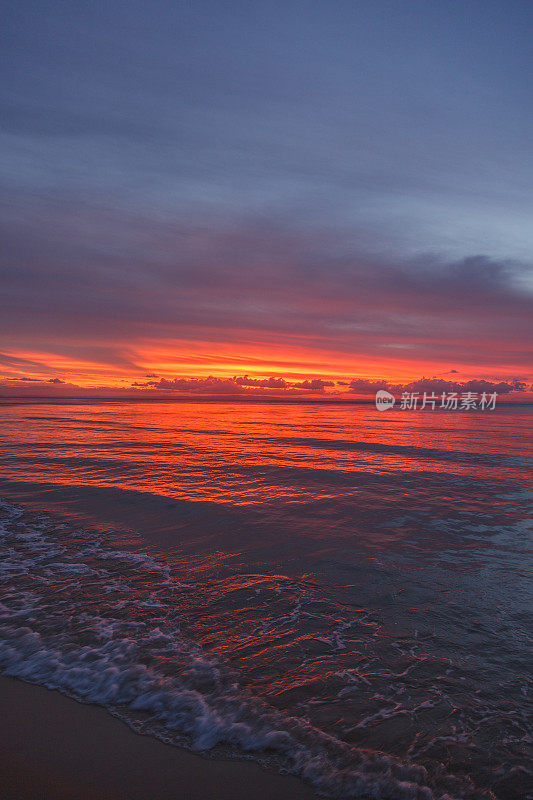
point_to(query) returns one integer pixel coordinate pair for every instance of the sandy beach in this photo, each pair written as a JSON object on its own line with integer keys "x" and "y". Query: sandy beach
{"x": 53, "y": 748}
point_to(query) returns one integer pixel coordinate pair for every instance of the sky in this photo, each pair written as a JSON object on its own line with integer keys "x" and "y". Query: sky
{"x": 200, "y": 195}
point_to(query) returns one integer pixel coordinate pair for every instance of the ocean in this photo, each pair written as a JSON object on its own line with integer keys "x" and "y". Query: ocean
{"x": 335, "y": 592}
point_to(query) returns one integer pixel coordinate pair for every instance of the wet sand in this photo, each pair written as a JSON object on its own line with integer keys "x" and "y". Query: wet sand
{"x": 53, "y": 748}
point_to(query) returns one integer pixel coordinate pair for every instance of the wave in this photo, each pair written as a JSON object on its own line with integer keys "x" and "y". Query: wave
{"x": 103, "y": 626}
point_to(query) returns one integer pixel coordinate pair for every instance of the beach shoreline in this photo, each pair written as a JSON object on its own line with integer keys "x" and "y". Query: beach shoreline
{"x": 55, "y": 748}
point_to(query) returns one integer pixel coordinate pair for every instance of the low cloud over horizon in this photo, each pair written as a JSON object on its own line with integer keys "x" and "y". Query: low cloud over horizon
{"x": 243, "y": 386}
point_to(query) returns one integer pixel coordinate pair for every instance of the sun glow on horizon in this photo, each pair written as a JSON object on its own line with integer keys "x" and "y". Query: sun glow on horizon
{"x": 143, "y": 365}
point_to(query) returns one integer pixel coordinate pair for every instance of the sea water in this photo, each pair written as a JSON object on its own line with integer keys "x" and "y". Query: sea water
{"x": 335, "y": 592}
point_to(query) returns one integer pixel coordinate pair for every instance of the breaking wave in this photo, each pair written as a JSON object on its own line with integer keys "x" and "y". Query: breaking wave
{"x": 103, "y": 626}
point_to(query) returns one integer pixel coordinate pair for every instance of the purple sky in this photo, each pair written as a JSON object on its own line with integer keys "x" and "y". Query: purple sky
{"x": 315, "y": 189}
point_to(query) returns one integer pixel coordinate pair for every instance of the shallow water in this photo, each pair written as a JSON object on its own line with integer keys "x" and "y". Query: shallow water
{"x": 338, "y": 592}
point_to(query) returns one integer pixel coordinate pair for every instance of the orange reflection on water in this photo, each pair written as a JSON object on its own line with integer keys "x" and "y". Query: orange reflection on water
{"x": 255, "y": 453}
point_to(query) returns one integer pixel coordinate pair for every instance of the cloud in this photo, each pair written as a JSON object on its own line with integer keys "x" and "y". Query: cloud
{"x": 243, "y": 387}
{"x": 265, "y": 199}
{"x": 314, "y": 385}
{"x": 238, "y": 384}
{"x": 266, "y": 383}
{"x": 100, "y": 286}
{"x": 438, "y": 386}
{"x": 210, "y": 385}
{"x": 364, "y": 386}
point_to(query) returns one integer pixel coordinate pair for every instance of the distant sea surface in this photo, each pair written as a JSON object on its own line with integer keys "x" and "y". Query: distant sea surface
{"x": 333, "y": 591}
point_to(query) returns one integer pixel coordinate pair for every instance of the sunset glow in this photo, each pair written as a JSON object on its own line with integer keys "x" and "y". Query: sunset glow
{"x": 263, "y": 209}
{"x": 266, "y": 400}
